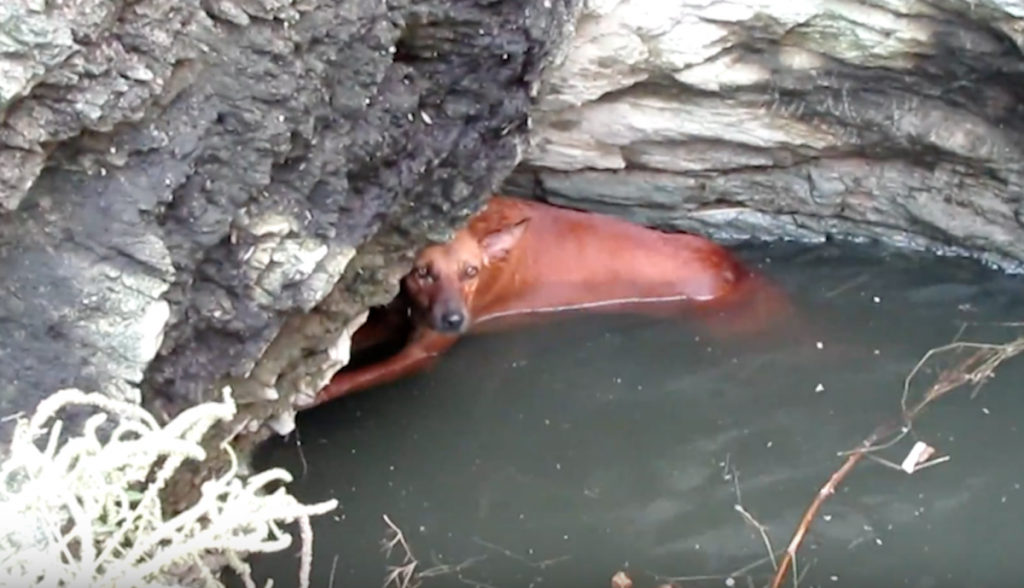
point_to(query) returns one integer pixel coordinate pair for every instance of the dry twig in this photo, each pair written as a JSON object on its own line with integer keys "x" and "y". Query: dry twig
{"x": 730, "y": 473}
{"x": 976, "y": 369}
{"x": 404, "y": 575}
{"x": 401, "y": 575}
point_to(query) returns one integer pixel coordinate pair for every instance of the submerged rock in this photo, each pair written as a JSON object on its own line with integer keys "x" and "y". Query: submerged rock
{"x": 893, "y": 120}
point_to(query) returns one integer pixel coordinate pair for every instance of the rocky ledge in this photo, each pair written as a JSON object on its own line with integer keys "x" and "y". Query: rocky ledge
{"x": 892, "y": 120}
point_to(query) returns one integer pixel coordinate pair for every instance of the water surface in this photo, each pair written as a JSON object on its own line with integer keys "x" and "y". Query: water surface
{"x": 559, "y": 455}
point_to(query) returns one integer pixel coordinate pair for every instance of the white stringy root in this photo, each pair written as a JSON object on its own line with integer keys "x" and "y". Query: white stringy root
{"x": 85, "y": 514}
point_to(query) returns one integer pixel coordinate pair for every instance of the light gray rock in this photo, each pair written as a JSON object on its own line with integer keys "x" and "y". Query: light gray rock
{"x": 897, "y": 120}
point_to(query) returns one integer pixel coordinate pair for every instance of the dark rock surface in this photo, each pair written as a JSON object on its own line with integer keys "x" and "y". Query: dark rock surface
{"x": 884, "y": 120}
{"x": 184, "y": 181}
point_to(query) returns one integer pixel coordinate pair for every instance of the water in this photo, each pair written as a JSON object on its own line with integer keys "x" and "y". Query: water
{"x": 559, "y": 455}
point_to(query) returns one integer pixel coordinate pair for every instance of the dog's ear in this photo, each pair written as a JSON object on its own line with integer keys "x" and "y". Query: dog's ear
{"x": 497, "y": 244}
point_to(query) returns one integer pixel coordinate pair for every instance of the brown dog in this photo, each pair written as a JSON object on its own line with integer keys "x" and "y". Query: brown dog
{"x": 519, "y": 260}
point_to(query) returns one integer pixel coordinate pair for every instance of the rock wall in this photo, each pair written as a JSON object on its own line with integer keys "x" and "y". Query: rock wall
{"x": 866, "y": 119}
{"x": 196, "y": 193}
{"x": 183, "y": 181}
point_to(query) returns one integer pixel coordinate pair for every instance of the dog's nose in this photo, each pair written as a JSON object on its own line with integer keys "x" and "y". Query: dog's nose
{"x": 452, "y": 321}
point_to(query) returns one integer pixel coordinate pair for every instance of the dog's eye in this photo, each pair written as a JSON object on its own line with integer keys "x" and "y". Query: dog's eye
{"x": 422, "y": 272}
{"x": 471, "y": 271}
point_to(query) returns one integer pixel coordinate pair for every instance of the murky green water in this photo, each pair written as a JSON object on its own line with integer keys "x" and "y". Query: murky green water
{"x": 557, "y": 456}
